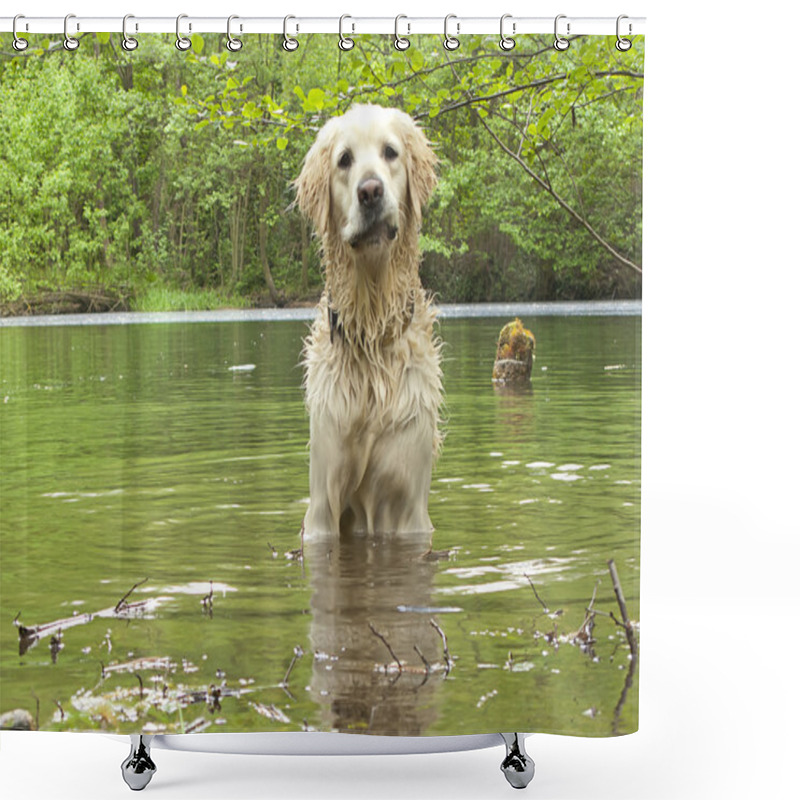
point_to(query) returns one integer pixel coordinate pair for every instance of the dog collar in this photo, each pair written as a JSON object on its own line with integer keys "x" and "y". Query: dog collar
{"x": 336, "y": 327}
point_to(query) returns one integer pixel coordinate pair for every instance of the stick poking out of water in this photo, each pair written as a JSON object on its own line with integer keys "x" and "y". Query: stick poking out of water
{"x": 296, "y": 654}
{"x": 122, "y": 604}
{"x": 447, "y": 659}
{"x": 388, "y": 646}
{"x": 623, "y": 609}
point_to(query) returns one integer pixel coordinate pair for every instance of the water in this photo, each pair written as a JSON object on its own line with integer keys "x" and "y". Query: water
{"x": 176, "y": 453}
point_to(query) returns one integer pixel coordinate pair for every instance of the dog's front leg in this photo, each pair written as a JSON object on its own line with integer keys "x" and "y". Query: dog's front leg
{"x": 336, "y": 468}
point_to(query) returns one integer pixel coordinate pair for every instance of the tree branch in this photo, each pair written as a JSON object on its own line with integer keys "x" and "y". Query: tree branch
{"x": 561, "y": 201}
{"x": 561, "y": 76}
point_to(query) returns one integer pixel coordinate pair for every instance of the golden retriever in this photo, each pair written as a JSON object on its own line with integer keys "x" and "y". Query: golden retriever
{"x": 372, "y": 364}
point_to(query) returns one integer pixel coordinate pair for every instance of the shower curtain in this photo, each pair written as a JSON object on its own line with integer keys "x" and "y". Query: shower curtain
{"x": 157, "y": 282}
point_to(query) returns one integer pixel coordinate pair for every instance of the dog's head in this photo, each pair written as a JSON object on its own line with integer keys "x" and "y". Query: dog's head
{"x": 367, "y": 177}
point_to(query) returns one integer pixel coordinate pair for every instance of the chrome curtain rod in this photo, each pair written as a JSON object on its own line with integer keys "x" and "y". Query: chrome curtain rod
{"x": 349, "y": 25}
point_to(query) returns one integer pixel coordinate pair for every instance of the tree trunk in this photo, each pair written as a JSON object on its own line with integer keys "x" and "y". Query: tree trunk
{"x": 262, "y": 251}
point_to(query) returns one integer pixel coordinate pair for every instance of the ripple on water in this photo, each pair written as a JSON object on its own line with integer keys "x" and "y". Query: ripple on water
{"x": 514, "y": 575}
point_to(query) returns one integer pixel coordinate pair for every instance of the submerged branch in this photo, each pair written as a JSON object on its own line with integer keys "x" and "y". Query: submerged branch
{"x": 297, "y": 653}
{"x": 623, "y": 609}
{"x": 448, "y": 661}
{"x": 122, "y": 605}
{"x": 541, "y": 602}
{"x": 388, "y": 646}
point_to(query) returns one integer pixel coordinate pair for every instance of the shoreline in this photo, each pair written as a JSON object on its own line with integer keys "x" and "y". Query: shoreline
{"x": 569, "y": 308}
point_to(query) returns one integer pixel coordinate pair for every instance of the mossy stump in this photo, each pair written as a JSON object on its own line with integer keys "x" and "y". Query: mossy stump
{"x": 514, "y": 360}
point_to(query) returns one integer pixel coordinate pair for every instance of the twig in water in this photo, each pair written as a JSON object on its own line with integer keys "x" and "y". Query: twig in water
{"x": 542, "y": 602}
{"x": 624, "y": 695}
{"x": 585, "y": 633}
{"x": 141, "y": 685}
{"x": 208, "y": 601}
{"x": 388, "y": 646}
{"x": 623, "y": 609}
{"x": 448, "y": 660}
{"x": 425, "y": 662}
{"x": 56, "y": 645}
{"x": 298, "y": 651}
{"x": 61, "y": 709}
{"x": 122, "y": 604}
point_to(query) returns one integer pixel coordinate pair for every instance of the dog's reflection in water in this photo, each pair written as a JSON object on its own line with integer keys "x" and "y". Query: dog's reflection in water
{"x": 371, "y": 598}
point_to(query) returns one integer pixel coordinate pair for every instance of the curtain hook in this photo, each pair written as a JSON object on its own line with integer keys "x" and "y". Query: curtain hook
{"x": 70, "y": 42}
{"x": 400, "y": 42}
{"x": 345, "y": 42}
{"x": 507, "y": 42}
{"x": 623, "y": 45}
{"x": 450, "y": 42}
{"x": 561, "y": 44}
{"x": 290, "y": 44}
{"x": 233, "y": 44}
{"x": 19, "y": 44}
{"x": 128, "y": 42}
{"x": 182, "y": 43}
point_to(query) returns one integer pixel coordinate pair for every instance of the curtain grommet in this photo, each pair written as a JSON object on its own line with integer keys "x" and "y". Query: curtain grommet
{"x": 507, "y": 42}
{"x": 70, "y": 42}
{"x": 400, "y": 42}
{"x": 128, "y": 43}
{"x": 181, "y": 42}
{"x": 622, "y": 44}
{"x": 233, "y": 44}
{"x": 450, "y": 42}
{"x": 19, "y": 44}
{"x": 290, "y": 44}
{"x": 560, "y": 43}
{"x": 345, "y": 42}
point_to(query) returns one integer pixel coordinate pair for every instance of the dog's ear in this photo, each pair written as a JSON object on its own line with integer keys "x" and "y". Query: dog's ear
{"x": 421, "y": 167}
{"x": 313, "y": 184}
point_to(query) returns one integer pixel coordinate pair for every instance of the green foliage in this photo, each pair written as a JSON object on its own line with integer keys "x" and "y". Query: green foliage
{"x": 172, "y": 170}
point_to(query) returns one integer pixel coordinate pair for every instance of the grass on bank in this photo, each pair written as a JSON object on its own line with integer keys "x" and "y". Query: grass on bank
{"x": 163, "y": 298}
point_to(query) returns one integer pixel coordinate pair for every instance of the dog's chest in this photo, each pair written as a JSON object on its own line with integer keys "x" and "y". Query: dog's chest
{"x": 357, "y": 390}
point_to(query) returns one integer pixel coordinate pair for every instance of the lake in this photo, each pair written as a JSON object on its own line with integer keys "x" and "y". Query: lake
{"x": 171, "y": 456}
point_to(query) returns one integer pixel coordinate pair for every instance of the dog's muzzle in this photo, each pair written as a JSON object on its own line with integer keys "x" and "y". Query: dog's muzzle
{"x": 372, "y": 207}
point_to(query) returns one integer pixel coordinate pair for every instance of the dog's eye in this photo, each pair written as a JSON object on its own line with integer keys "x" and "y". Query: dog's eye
{"x": 345, "y": 160}
{"x": 389, "y": 153}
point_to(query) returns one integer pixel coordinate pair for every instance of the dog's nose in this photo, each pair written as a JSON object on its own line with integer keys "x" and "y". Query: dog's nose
{"x": 370, "y": 192}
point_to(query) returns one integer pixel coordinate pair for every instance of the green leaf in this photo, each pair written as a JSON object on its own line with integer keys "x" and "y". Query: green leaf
{"x": 103, "y": 38}
{"x": 184, "y": 90}
{"x": 417, "y": 59}
{"x": 203, "y": 122}
{"x": 197, "y": 43}
{"x": 281, "y": 142}
{"x": 315, "y": 101}
{"x": 542, "y": 124}
{"x": 250, "y": 110}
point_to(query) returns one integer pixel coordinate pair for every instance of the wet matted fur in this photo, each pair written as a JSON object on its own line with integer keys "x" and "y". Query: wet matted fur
{"x": 372, "y": 364}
